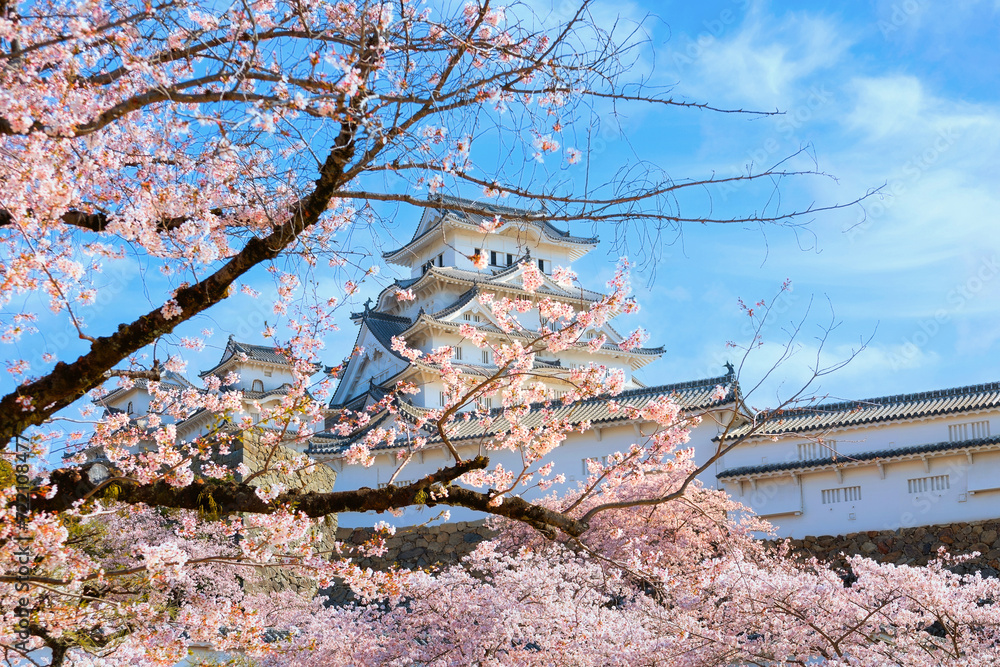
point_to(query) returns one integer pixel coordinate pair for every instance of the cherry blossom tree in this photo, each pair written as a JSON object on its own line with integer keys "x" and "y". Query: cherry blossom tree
{"x": 202, "y": 142}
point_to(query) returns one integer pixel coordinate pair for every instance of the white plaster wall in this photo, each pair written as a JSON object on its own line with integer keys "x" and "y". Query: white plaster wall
{"x": 568, "y": 458}
{"x": 884, "y": 504}
{"x": 508, "y": 242}
{"x": 139, "y": 399}
{"x": 248, "y": 373}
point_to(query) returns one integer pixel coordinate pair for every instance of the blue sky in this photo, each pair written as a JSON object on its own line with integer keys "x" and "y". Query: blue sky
{"x": 903, "y": 95}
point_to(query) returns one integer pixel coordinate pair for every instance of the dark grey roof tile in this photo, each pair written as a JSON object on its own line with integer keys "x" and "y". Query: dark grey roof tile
{"x": 842, "y": 459}
{"x": 877, "y": 410}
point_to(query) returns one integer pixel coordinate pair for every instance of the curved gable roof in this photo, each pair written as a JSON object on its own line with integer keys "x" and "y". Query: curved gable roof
{"x": 468, "y": 212}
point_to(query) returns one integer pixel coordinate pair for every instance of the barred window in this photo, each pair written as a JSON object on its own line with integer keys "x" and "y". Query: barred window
{"x": 603, "y": 460}
{"x": 969, "y": 431}
{"x": 926, "y": 484}
{"x": 817, "y": 450}
{"x": 845, "y": 494}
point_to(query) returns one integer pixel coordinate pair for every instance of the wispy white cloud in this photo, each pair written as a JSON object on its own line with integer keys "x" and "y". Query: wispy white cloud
{"x": 758, "y": 61}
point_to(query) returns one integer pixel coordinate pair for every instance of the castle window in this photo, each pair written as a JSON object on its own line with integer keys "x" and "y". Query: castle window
{"x": 603, "y": 460}
{"x": 441, "y": 398}
{"x": 817, "y": 450}
{"x": 541, "y": 265}
{"x": 926, "y": 484}
{"x": 510, "y": 259}
{"x": 486, "y": 402}
{"x": 845, "y": 495}
{"x": 440, "y": 259}
{"x": 487, "y": 357}
{"x": 267, "y": 374}
{"x": 456, "y": 352}
{"x": 257, "y": 385}
{"x": 128, "y": 408}
{"x": 969, "y": 431}
{"x": 494, "y": 258}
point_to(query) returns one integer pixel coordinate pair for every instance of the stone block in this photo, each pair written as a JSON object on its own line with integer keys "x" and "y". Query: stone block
{"x": 413, "y": 553}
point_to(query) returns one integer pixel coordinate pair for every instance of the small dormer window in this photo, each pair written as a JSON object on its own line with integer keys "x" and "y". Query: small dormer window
{"x": 128, "y": 408}
{"x": 440, "y": 259}
{"x": 510, "y": 259}
{"x": 541, "y": 265}
{"x": 494, "y": 258}
{"x": 257, "y": 385}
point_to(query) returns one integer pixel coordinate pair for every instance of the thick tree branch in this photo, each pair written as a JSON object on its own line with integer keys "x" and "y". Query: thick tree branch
{"x": 226, "y": 497}
{"x": 98, "y": 222}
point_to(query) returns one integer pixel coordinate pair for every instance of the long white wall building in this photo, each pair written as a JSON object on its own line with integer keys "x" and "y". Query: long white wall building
{"x": 874, "y": 464}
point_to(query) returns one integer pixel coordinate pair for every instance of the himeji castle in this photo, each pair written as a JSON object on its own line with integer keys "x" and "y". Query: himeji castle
{"x": 451, "y": 262}
{"x": 872, "y": 464}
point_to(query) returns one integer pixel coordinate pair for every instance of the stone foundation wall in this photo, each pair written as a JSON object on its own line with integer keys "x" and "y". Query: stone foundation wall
{"x": 440, "y": 544}
{"x": 414, "y": 548}
{"x": 913, "y": 546}
{"x": 320, "y": 478}
{"x": 448, "y": 543}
